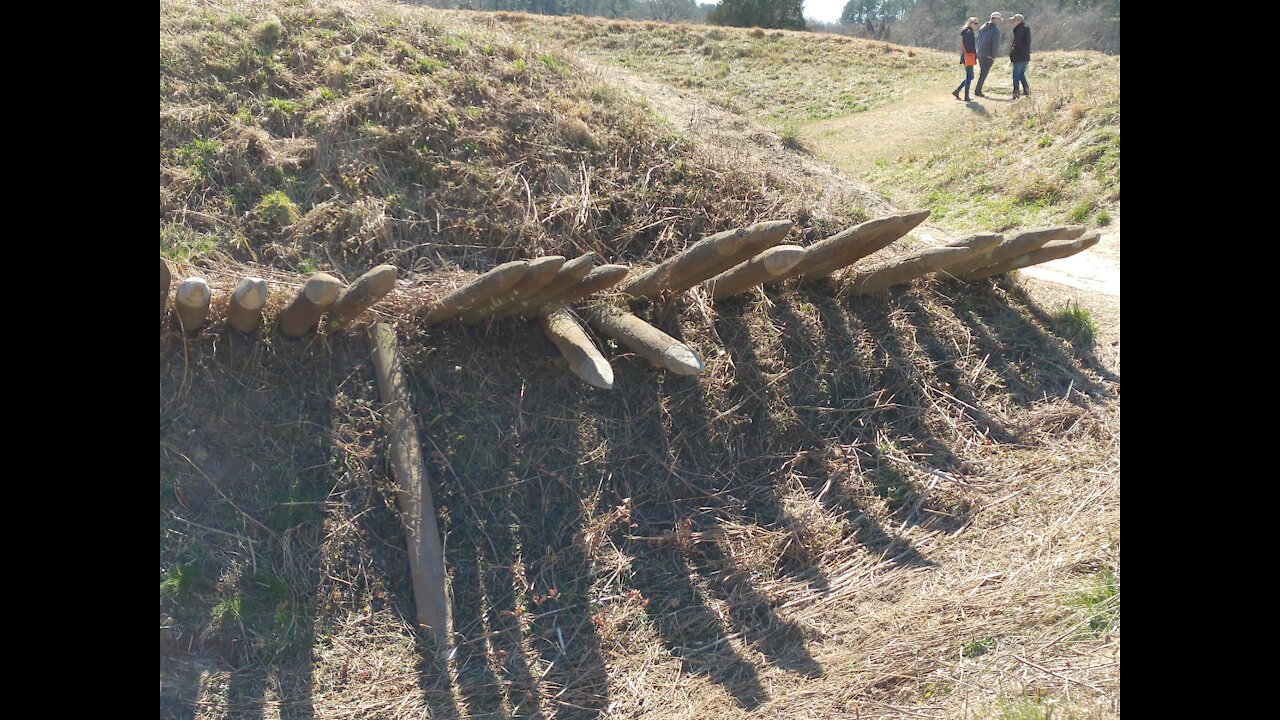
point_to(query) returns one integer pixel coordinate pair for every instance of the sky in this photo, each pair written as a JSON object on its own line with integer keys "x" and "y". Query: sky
{"x": 824, "y": 10}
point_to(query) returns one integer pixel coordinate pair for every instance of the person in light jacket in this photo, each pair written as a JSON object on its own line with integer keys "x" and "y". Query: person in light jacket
{"x": 968, "y": 56}
{"x": 988, "y": 41}
{"x": 1020, "y": 54}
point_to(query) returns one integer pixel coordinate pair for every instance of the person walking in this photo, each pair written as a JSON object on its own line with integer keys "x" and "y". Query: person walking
{"x": 968, "y": 56}
{"x": 1020, "y": 54}
{"x": 988, "y": 41}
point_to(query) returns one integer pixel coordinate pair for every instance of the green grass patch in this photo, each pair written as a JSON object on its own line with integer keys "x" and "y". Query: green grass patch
{"x": 1100, "y": 603}
{"x": 275, "y": 210}
{"x": 790, "y": 136}
{"x": 1076, "y": 323}
{"x": 977, "y": 648}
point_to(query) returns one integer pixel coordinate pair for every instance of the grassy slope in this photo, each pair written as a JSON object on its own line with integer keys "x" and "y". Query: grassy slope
{"x": 336, "y": 138}
{"x": 1054, "y": 159}
{"x": 761, "y": 537}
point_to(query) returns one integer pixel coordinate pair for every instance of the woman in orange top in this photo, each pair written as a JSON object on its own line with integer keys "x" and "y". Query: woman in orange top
{"x": 968, "y": 56}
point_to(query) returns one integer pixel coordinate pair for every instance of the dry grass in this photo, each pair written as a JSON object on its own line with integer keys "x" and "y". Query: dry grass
{"x": 779, "y": 78}
{"x": 904, "y": 505}
{"x": 371, "y": 133}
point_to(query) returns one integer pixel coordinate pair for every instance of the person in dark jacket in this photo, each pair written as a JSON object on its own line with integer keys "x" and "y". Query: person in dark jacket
{"x": 1020, "y": 54}
{"x": 988, "y": 41}
{"x": 968, "y": 57}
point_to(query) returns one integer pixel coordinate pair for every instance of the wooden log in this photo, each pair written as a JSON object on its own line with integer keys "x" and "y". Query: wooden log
{"x": 361, "y": 295}
{"x": 303, "y": 314}
{"x": 584, "y": 359}
{"x": 541, "y": 272}
{"x": 847, "y": 247}
{"x": 601, "y": 278}
{"x": 568, "y": 275}
{"x": 706, "y": 258}
{"x": 497, "y": 280}
{"x": 166, "y": 279}
{"x": 191, "y": 303}
{"x": 417, "y": 510}
{"x": 1053, "y": 250}
{"x": 1014, "y": 246}
{"x": 244, "y": 311}
{"x": 659, "y": 348}
{"x": 756, "y": 271}
{"x": 897, "y": 272}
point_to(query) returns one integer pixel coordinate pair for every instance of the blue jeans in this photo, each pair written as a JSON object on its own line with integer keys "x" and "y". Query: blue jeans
{"x": 968, "y": 78}
{"x": 1020, "y": 76}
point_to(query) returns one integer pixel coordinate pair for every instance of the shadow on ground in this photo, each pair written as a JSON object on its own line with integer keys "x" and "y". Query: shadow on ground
{"x": 689, "y": 500}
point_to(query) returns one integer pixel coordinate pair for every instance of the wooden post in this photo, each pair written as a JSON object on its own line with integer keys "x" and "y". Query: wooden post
{"x": 584, "y": 359}
{"x": 1053, "y": 250}
{"x": 847, "y": 247}
{"x": 541, "y": 272}
{"x": 1012, "y": 247}
{"x": 303, "y": 313}
{"x": 191, "y": 303}
{"x": 417, "y": 510}
{"x": 903, "y": 270}
{"x": 659, "y": 348}
{"x": 361, "y": 295}
{"x": 756, "y": 271}
{"x": 568, "y": 275}
{"x": 498, "y": 280}
{"x": 245, "y": 309}
{"x": 601, "y": 278}
{"x": 166, "y": 279}
{"x": 706, "y": 258}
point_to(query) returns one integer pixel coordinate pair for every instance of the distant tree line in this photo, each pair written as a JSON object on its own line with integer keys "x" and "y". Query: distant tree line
{"x": 1055, "y": 24}
{"x": 663, "y": 10}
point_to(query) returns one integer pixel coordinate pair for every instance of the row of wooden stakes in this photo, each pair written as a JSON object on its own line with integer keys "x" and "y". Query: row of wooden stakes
{"x": 725, "y": 264}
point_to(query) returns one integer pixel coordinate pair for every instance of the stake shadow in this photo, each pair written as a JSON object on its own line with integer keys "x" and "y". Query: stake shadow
{"x": 1029, "y": 359}
{"x": 244, "y": 539}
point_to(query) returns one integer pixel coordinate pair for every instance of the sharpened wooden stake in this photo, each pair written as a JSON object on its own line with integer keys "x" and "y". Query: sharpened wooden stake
{"x": 303, "y": 313}
{"x": 166, "y": 279}
{"x": 541, "y": 272}
{"x": 498, "y": 280}
{"x": 1053, "y": 250}
{"x": 584, "y": 359}
{"x": 706, "y": 258}
{"x": 361, "y": 295}
{"x": 756, "y": 271}
{"x": 191, "y": 303}
{"x": 601, "y": 278}
{"x": 568, "y": 275}
{"x": 1012, "y": 247}
{"x": 659, "y": 348}
{"x": 244, "y": 312}
{"x": 417, "y": 510}
{"x": 847, "y": 247}
{"x": 903, "y": 270}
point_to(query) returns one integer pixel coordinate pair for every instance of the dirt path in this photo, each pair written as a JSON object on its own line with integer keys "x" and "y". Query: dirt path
{"x": 920, "y": 120}
{"x": 733, "y": 138}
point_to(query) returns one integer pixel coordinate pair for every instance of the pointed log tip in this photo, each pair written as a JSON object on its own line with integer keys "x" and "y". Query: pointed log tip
{"x": 782, "y": 258}
{"x": 193, "y": 292}
{"x": 682, "y": 360}
{"x": 251, "y": 293}
{"x": 596, "y": 372}
{"x": 322, "y": 288}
